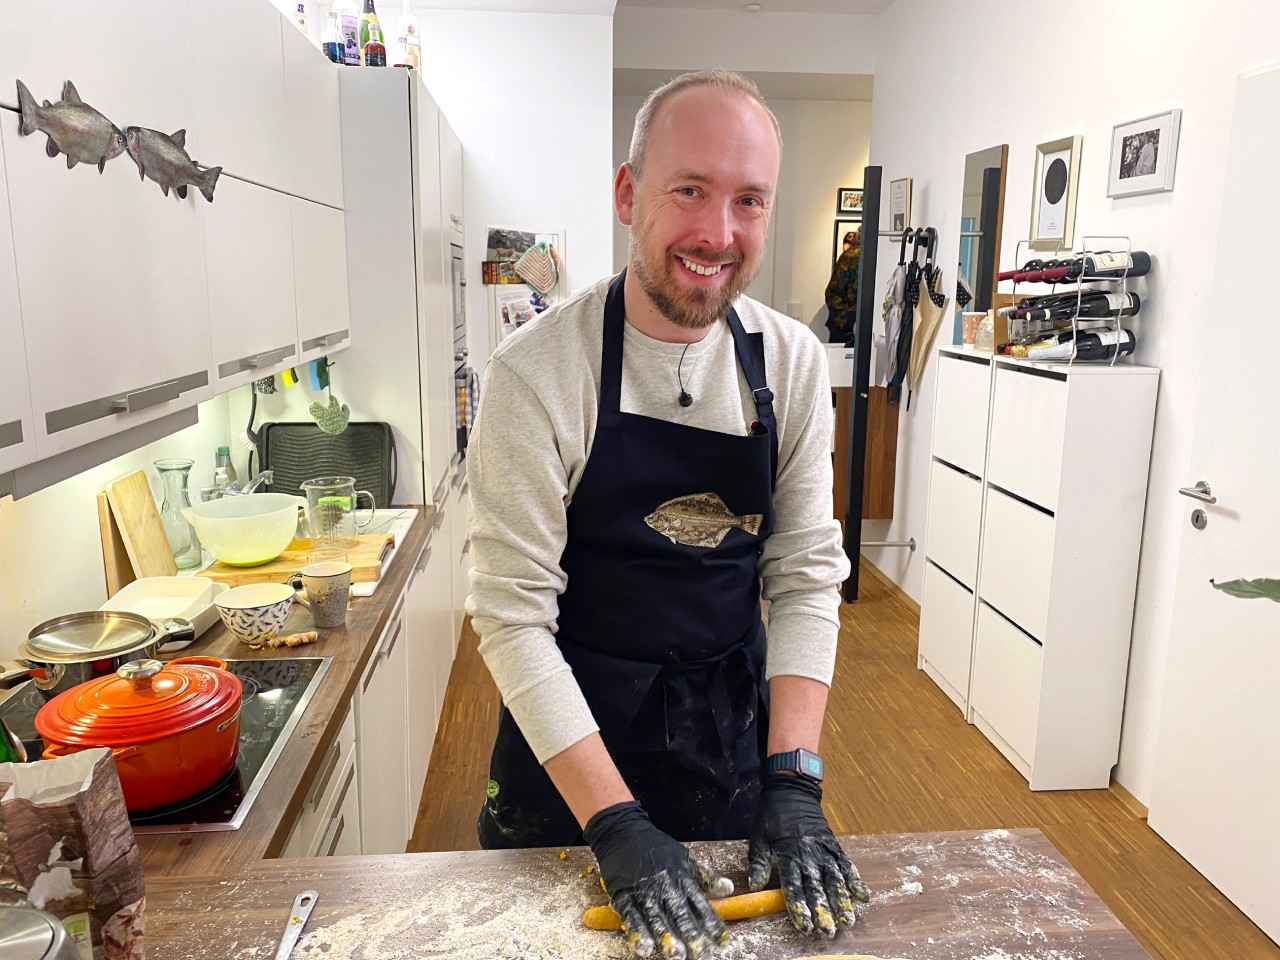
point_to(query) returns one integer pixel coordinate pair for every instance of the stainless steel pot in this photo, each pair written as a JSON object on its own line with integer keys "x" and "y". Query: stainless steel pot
{"x": 78, "y": 647}
{"x": 30, "y": 934}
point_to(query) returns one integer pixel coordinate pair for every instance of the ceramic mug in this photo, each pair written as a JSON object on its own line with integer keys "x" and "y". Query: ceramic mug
{"x": 969, "y": 326}
{"x": 328, "y": 587}
{"x": 255, "y": 612}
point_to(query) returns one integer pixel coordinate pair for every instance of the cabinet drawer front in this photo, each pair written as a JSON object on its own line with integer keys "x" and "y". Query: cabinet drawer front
{"x": 1017, "y": 562}
{"x": 1006, "y": 681}
{"x": 946, "y": 629}
{"x": 1028, "y": 422}
{"x": 960, "y": 414}
{"x": 955, "y": 514}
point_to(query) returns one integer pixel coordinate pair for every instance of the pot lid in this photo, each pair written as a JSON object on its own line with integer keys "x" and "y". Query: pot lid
{"x": 143, "y": 701}
{"x": 94, "y": 635}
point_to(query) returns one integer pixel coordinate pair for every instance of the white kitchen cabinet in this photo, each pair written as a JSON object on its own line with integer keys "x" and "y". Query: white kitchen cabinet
{"x": 115, "y": 307}
{"x": 382, "y": 739}
{"x": 320, "y": 277}
{"x": 17, "y": 433}
{"x": 1061, "y": 479}
{"x": 422, "y": 640}
{"x": 329, "y": 823}
{"x": 451, "y": 187}
{"x": 239, "y": 97}
{"x": 461, "y": 545}
{"x": 313, "y": 132}
{"x": 402, "y": 367}
{"x": 252, "y": 310}
{"x": 441, "y": 584}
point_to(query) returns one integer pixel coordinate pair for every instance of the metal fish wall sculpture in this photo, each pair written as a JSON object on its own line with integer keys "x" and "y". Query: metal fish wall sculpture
{"x": 73, "y": 127}
{"x": 163, "y": 158}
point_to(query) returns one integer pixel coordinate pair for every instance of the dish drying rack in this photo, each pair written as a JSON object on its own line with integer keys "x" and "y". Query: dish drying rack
{"x": 1099, "y": 243}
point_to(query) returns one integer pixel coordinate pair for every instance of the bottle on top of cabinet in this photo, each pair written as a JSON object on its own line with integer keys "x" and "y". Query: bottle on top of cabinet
{"x": 331, "y": 39}
{"x": 368, "y": 17}
{"x": 299, "y": 17}
{"x": 408, "y": 38}
{"x": 349, "y": 29}
{"x": 375, "y": 51}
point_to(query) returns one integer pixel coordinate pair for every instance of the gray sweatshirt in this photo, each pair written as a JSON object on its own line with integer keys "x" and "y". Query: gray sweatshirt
{"x": 528, "y": 450}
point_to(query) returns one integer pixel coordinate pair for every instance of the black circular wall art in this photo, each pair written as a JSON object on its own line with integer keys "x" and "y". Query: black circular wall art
{"x": 1055, "y": 180}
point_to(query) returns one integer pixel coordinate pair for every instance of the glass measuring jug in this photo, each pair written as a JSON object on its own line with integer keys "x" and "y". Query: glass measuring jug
{"x": 331, "y": 506}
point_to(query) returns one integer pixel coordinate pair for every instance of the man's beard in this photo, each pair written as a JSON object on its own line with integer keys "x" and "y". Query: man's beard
{"x": 692, "y": 307}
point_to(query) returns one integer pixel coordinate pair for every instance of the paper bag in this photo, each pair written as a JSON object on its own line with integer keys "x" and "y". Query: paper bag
{"x": 66, "y": 847}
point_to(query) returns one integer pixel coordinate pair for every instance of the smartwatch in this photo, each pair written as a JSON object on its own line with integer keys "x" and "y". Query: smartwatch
{"x": 801, "y": 761}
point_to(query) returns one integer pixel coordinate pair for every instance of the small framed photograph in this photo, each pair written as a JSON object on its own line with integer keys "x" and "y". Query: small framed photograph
{"x": 1053, "y": 203}
{"x": 848, "y": 233}
{"x": 1143, "y": 153}
{"x": 848, "y": 200}
{"x": 899, "y": 205}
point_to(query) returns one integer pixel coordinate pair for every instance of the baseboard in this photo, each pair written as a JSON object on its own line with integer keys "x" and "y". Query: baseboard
{"x": 871, "y": 568}
{"x": 1128, "y": 800}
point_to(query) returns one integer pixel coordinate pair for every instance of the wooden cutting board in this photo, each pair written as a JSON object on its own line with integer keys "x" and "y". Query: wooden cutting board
{"x": 139, "y": 521}
{"x": 365, "y": 559}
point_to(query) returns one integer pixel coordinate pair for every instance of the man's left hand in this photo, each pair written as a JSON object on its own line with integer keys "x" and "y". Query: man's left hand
{"x": 819, "y": 883}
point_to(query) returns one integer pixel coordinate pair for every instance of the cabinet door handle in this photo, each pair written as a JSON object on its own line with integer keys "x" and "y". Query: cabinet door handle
{"x": 266, "y": 358}
{"x": 321, "y": 782}
{"x": 149, "y": 397}
{"x": 1199, "y": 492}
{"x": 423, "y": 560}
{"x": 340, "y": 823}
{"x": 393, "y": 632}
{"x": 454, "y": 218}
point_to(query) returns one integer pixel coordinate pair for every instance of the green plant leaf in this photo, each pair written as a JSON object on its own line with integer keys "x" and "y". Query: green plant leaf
{"x": 1250, "y": 589}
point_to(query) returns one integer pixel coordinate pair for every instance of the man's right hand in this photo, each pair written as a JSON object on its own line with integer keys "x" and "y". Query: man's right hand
{"x": 659, "y": 893}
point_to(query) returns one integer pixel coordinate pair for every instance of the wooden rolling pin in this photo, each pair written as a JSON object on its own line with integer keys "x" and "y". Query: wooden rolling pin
{"x": 741, "y": 907}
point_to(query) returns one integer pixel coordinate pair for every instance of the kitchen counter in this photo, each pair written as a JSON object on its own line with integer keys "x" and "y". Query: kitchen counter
{"x": 267, "y": 826}
{"x": 990, "y": 895}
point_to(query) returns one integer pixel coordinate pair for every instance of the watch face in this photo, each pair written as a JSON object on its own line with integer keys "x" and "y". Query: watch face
{"x": 812, "y": 765}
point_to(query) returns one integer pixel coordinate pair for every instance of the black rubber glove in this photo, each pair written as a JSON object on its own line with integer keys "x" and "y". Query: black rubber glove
{"x": 653, "y": 885}
{"x": 818, "y": 881}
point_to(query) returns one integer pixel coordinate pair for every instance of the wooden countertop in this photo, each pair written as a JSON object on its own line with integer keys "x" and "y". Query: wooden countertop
{"x": 990, "y": 895}
{"x": 266, "y": 828}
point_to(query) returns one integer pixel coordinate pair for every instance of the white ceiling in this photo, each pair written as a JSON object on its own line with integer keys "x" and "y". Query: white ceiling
{"x": 635, "y": 82}
{"x": 769, "y": 6}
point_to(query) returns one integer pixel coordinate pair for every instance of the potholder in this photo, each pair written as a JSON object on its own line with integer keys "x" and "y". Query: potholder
{"x": 537, "y": 267}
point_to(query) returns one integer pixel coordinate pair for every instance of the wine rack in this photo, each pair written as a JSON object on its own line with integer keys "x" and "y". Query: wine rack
{"x": 1101, "y": 243}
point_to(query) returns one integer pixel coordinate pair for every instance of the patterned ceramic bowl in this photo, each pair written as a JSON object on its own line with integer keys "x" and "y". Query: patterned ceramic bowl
{"x": 255, "y": 612}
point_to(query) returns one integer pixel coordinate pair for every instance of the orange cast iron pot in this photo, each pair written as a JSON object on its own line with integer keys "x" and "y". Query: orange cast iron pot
{"x": 173, "y": 728}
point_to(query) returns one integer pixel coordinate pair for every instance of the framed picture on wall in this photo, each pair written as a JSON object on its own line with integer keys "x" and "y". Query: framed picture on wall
{"x": 1053, "y": 202}
{"x": 1143, "y": 154}
{"x": 846, "y": 229}
{"x": 899, "y": 204}
{"x": 848, "y": 200}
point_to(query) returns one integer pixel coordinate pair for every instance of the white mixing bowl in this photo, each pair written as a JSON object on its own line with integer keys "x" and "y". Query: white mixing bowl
{"x": 248, "y": 530}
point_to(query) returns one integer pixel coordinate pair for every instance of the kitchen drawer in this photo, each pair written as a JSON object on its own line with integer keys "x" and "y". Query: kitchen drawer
{"x": 324, "y": 794}
{"x": 1017, "y": 562}
{"x": 955, "y": 515}
{"x": 1028, "y": 424}
{"x": 1006, "y": 681}
{"x": 946, "y": 632}
{"x": 960, "y": 411}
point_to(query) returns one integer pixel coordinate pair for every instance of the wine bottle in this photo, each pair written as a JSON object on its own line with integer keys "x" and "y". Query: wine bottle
{"x": 375, "y": 51}
{"x": 1101, "y": 264}
{"x": 1013, "y": 274}
{"x": 1096, "y": 303}
{"x": 331, "y": 38}
{"x": 1084, "y": 345}
{"x": 369, "y": 15}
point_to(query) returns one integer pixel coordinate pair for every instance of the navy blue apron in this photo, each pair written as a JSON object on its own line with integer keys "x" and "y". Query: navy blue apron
{"x": 660, "y": 619}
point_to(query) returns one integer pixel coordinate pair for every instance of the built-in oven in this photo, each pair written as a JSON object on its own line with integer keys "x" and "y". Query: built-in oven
{"x": 466, "y": 387}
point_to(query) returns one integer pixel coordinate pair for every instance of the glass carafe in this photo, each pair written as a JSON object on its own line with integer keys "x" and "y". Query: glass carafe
{"x": 181, "y": 535}
{"x": 331, "y": 505}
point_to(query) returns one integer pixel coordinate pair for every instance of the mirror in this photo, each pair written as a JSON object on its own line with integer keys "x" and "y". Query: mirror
{"x": 981, "y": 216}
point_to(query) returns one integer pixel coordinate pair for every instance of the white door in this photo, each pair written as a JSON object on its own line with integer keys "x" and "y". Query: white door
{"x": 1216, "y": 790}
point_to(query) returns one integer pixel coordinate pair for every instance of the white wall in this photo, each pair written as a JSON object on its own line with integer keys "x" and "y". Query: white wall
{"x": 932, "y": 107}
{"x": 656, "y": 37}
{"x": 50, "y": 549}
{"x": 530, "y": 97}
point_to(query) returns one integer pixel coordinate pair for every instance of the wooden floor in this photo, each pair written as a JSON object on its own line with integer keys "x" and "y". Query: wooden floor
{"x": 900, "y": 758}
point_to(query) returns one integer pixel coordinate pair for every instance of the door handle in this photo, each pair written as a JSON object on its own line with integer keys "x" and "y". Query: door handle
{"x": 148, "y": 397}
{"x": 1199, "y": 492}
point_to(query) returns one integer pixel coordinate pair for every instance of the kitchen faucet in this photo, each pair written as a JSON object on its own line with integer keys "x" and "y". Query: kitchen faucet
{"x": 266, "y": 476}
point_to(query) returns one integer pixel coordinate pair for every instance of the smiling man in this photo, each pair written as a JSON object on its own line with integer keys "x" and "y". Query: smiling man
{"x": 647, "y": 455}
